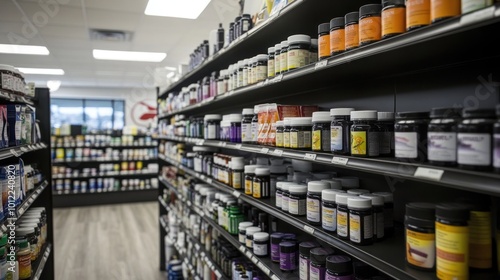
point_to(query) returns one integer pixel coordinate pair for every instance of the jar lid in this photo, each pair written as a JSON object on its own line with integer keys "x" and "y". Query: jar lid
{"x": 251, "y": 230}
{"x": 6, "y": 67}
{"x": 358, "y": 191}
{"x": 306, "y": 247}
{"x": 299, "y": 38}
{"x": 301, "y": 121}
{"x": 246, "y": 61}
{"x": 341, "y": 198}
{"x": 287, "y": 121}
{"x": 298, "y": 189}
{"x": 337, "y": 22}
{"x": 349, "y": 182}
{"x": 284, "y": 44}
{"x": 270, "y": 50}
{"x": 317, "y": 186}
{"x": 235, "y": 118}
{"x": 411, "y": 115}
{"x": 277, "y": 169}
{"x": 280, "y": 123}
{"x": 314, "y": 42}
{"x": 288, "y": 246}
{"x": 329, "y": 194}
{"x": 321, "y": 117}
{"x": 339, "y": 264}
{"x": 22, "y": 243}
{"x": 261, "y": 236}
{"x": 276, "y": 237}
{"x": 261, "y": 57}
{"x": 469, "y": 113}
{"x": 24, "y": 230}
{"x": 324, "y": 28}
{"x": 318, "y": 255}
{"x": 212, "y": 117}
{"x": 452, "y": 211}
{"x": 241, "y": 63}
{"x": 385, "y": 116}
{"x": 370, "y": 9}
{"x": 364, "y": 115}
{"x": 280, "y": 184}
{"x": 388, "y": 197}
{"x": 286, "y": 186}
{"x": 250, "y": 168}
{"x": 421, "y": 210}
{"x": 352, "y": 17}
{"x": 262, "y": 171}
{"x": 359, "y": 202}
{"x": 262, "y": 161}
{"x": 376, "y": 200}
{"x": 334, "y": 184}
{"x": 247, "y": 111}
{"x": 446, "y": 112}
{"x": 277, "y": 47}
{"x": 341, "y": 112}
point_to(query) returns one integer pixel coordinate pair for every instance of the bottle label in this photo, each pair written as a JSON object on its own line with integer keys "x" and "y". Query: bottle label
{"x": 303, "y": 269}
{"x": 237, "y": 178}
{"x": 480, "y": 255}
{"x": 385, "y": 142}
{"x": 297, "y": 58}
{"x": 248, "y": 242}
{"x": 270, "y": 68}
{"x": 373, "y": 144}
{"x": 474, "y": 149}
{"x": 329, "y": 218}
{"x": 337, "y": 41}
{"x": 246, "y": 132}
{"x": 355, "y": 228}
{"x": 260, "y": 73}
{"x": 212, "y": 132}
{"x": 420, "y": 248}
{"x": 279, "y": 139}
{"x": 418, "y": 13}
{"x": 472, "y": 5}
{"x": 304, "y": 139}
{"x": 297, "y": 207}
{"x": 284, "y": 203}
{"x": 277, "y": 64}
{"x": 248, "y": 187}
{"x": 444, "y": 8}
{"x": 313, "y": 210}
{"x": 324, "y": 46}
{"x": 316, "y": 273}
{"x": 286, "y": 139}
{"x": 358, "y": 143}
{"x": 351, "y": 36}
{"x": 255, "y": 131}
{"x": 393, "y": 21}
{"x": 452, "y": 251}
{"x": 442, "y": 146}
{"x": 406, "y": 144}
{"x": 370, "y": 29}
{"x": 256, "y": 190}
{"x": 278, "y": 200}
{"x": 294, "y": 140}
{"x": 496, "y": 151}
{"x": 316, "y": 140}
{"x": 283, "y": 62}
{"x": 260, "y": 249}
{"x": 342, "y": 223}
{"x": 336, "y": 138}
{"x": 242, "y": 238}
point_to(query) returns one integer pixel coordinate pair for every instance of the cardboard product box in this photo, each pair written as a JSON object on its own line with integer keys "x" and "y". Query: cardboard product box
{"x": 263, "y": 125}
{"x": 306, "y": 111}
{"x": 288, "y": 111}
{"x": 14, "y": 119}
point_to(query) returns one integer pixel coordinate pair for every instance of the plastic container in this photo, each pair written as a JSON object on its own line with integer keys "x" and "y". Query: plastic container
{"x": 297, "y": 201}
{"x": 288, "y": 256}
{"x": 444, "y": 9}
{"x": 305, "y": 258}
{"x": 360, "y": 220}
{"x": 321, "y": 131}
{"x": 270, "y": 62}
{"x": 284, "y": 57}
{"x": 329, "y": 210}
{"x": 442, "y": 136}
{"x": 393, "y": 18}
{"x": 370, "y": 24}
{"x": 262, "y": 183}
{"x": 298, "y": 51}
{"x": 260, "y": 72}
{"x": 418, "y": 14}
{"x": 242, "y": 227}
{"x": 249, "y": 236}
{"x": 212, "y": 126}
{"x": 300, "y": 133}
{"x": 385, "y": 125}
{"x": 337, "y": 36}
{"x": 351, "y": 30}
{"x": 388, "y": 212}
{"x": 286, "y": 132}
{"x": 378, "y": 215}
{"x": 420, "y": 235}
{"x": 314, "y": 189}
{"x": 323, "y": 41}
{"x": 342, "y": 215}
{"x": 410, "y": 133}
{"x": 249, "y": 176}
{"x": 276, "y": 238}
{"x": 277, "y": 59}
{"x": 317, "y": 266}
{"x": 279, "y": 134}
{"x": 261, "y": 244}
{"x": 364, "y": 134}
{"x": 339, "y": 267}
{"x": 340, "y": 131}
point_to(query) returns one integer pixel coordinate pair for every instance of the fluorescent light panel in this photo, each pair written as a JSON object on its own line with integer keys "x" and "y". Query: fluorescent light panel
{"x": 129, "y": 56}
{"x": 24, "y": 49}
{"x": 190, "y": 9}
{"x": 41, "y": 71}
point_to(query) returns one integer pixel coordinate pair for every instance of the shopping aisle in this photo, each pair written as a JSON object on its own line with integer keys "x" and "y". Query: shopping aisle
{"x": 107, "y": 242}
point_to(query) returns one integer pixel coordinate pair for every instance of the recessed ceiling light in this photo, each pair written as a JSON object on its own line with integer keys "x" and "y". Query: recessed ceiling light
{"x": 129, "y": 56}
{"x": 189, "y": 9}
{"x": 41, "y": 71}
{"x": 23, "y": 49}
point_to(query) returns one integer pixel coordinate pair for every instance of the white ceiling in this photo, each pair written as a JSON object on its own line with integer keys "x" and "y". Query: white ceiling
{"x": 63, "y": 26}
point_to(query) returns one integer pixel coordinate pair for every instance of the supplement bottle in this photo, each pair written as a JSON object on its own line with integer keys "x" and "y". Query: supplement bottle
{"x": 242, "y": 231}
{"x": 474, "y": 5}
{"x": 261, "y": 244}
{"x": 313, "y": 51}
{"x": 270, "y": 62}
{"x": 370, "y": 26}
{"x": 23, "y": 255}
{"x": 300, "y": 133}
{"x": 249, "y": 177}
{"x": 418, "y": 14}
{"x": 212, "y": 126}
{"x": 235, "y": 128}
{"x": 388, "y": 212}
{"x": 442, "y": 136}
{"x": 340, "y": 136}
{"x": 385, "y": 125}
{"x": 496, "y": 142}
{"x": 277, "y": 59}
{"x": 321, "y": 132}
{"x": 288, "y": 256}
{"x": 249, "y": 236}
{"x": 339, "y": 267}
{"x": 443, "y": 9}
{"x": 364, "y": 134}
{"x": 246, "y": 125}
{"x": 279, "y": 134}
{"x": 298, "y": 51}
{"x": 260, "y": 73}
{"x": 262, "y": 183}
{"x": 314, "y": 189}
{"x": 317, "y": 266}
{"x": 304, "y": 258}
{"x": 285, "y": 196}
{"x": 337, "y": 36}
{"x": 323, "y": 41}
{"x": 393, "y": 18}
{"x": 452, "y": 241}
{"x": 342, "y": 215}
{"x": 286, "y": 132}
{"x": 276, "y": 238}
{"x": 239, "y": 73}
{"x": 237, "y": 173}
{"x": 329, "y": 209}
{"x": 351, "y": 30}
{"x": 420, "y": 235}
{"x": 410, "y": 135}
{"x": 474, "y": 139}
{"x": 279, "y": 194}
{"x": 255, "y": 124}
{"x": 360, "y": 220}
{"x": 297, "y": 200}
{"x": 378, "y": 215}
{"x": 284, "y": 57}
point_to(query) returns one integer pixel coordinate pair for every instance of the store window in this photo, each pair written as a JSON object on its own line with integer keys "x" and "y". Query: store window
{"x": 95, "y": 114}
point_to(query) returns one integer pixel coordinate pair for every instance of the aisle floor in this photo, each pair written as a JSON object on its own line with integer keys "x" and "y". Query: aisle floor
{"x": 107, "y": 242}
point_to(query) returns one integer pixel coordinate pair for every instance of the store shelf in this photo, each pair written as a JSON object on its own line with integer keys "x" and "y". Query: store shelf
{"x": 101, "y": 198}
{"x": 480, "y": 182}
{"x": 17, "y": 151}
{"x": 82, "y": 160}
{"x": 389, "y": 57}
{"x": 120, "y": 174}
{"x": 39, "y": 264}
{"x": 106, "y": 146}
{"x": 14, "y": 97}
{"x": 170, "y": 186}
{"x": 66, "y": 192}
{"x": 206, "y": 257}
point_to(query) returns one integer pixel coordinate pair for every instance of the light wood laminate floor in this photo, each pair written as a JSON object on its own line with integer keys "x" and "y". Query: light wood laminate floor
{"x": 107, "y": 242}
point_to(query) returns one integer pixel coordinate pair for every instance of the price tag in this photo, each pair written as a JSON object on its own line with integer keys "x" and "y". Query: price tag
{"x": 14, "y": 153}
{"x": 266, "y": 82}
{"x": 236, "y": 194}
{"x": 200, "y": 142}
{"x": 259, "y": 84}
{"x": 477, "y": 16}
{"x": 202, "y": 254}
{"x": 264, "y": 150}
{"x": 254, "y": 259}
{"x": 202, "y": 214}
{"x": 31, "y": 200}
{"x": 278, "y": 152}
{"x": 274, "y": 277}
{"x": 264, "y": 269}
{"x": 277, "y": 79}
{"x": 309, "y": 229}
{"x": 339, "y": 160}
{"x": 242, "y": 248}
{"x": 209, "y": 180}
{"x": 238, "y": 146}
{"x": 309, "y": 156}
{"x": 249, "y": 254}
{"x": 219, "y": 275}
{"x": 224, "y": 144}
{"x": 429, "y": 173}
{"x": 24, "y": 149}
{"x": 320, "y": 64}
{"x": 197, "y": 247}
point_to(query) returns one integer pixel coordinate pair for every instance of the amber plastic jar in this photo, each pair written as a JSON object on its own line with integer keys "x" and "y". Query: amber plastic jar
{"x": 351, "y": 30}
{"x": 443, "y": 9}
{"x": 337, "y": 35}
{"x": 393, "y": 18}
{"x": 370, "y": 26}
{"x": 418, "y": 14}
{"x": 324, "y": 41}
